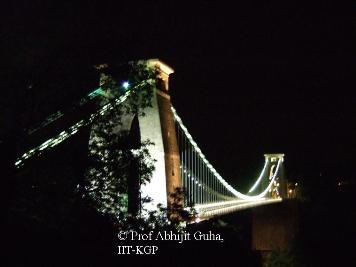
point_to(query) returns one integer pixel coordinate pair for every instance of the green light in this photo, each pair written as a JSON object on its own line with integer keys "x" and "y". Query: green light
{"x": 95, "y": 93}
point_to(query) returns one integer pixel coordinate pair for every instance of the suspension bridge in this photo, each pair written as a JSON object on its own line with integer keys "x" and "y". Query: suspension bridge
{"x": 180, "y": 163}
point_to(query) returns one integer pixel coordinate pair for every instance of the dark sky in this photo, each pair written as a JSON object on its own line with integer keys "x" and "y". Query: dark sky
{"x": 252, "y": 78}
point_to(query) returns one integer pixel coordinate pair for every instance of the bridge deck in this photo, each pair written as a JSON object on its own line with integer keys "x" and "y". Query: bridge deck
{"x": 205, "y": 211}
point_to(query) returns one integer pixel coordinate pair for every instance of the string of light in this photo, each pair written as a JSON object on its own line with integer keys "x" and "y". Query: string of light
{"x": 65, "y": 134}
{"x": 259, "y": 179}
{"x": 216, "y": 174}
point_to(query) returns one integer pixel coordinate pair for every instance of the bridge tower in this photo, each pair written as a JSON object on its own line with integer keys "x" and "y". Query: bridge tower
{"x": 157, "y": 126}
{"x": 278, "y": 188}
{"x": 163, "y": 134}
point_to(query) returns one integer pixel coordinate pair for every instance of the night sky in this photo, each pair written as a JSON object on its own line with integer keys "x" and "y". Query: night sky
{"x": 249, "y": 78}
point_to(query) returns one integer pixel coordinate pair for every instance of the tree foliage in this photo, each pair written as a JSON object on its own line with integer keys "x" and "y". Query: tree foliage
{"x": 114, "y": 151}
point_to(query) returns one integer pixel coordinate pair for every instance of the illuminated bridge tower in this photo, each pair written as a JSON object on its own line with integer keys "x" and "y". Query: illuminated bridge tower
{"x": 158, "y": 126}
{"x": 278, "y": 188}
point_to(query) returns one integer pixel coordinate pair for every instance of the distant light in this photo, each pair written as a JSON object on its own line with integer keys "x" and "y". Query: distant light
{"x": 290, "y": 190}
{"x": 125, "y": 84}
{"x": 296, "y": 184}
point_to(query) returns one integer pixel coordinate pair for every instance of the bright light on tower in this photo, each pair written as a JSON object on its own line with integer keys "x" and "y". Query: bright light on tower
{"x": 125, "y": 84}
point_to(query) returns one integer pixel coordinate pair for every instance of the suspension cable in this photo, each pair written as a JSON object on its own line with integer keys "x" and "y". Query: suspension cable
{"x": 216, "y": 174}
